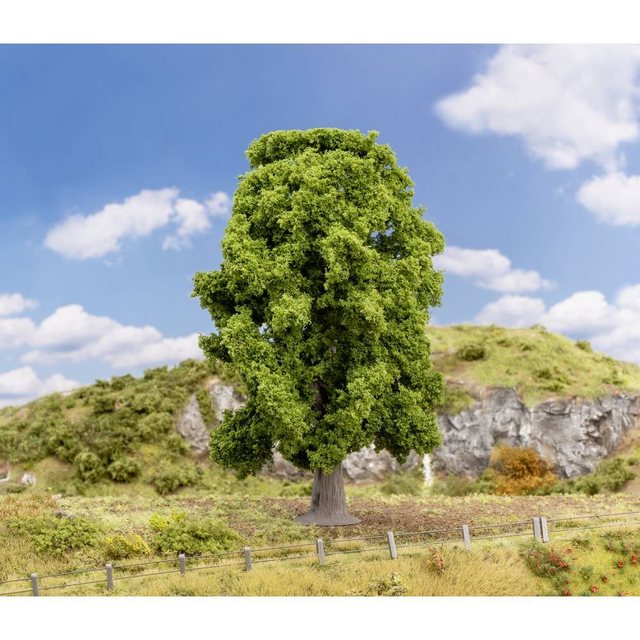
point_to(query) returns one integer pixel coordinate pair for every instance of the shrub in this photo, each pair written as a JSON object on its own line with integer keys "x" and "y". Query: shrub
{"x": 404, "y": 483}
{"x": 457, "y": 486}
{"x": 123, "y": 469}
{"x": 585, "y": 345}
{"x": 471, "y": 351}
{"x": 518, "y": 471}
{"x": 58, "y": 535}
{"x": 180, "y": 533}
{"x": 88, "y": 466}
{"x": 456, "y": 399}
{"x": 171, "y": 479}
{"x": 205, "y": 406}
{"x": 120, "y": 546}
{"x": 154, "y": 425}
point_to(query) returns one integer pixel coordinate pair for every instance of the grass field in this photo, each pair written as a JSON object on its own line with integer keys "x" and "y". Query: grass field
{"x": 34, "y": 538}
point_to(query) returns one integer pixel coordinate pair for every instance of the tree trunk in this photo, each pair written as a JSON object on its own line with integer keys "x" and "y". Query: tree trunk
{"x": 328, "y": 502}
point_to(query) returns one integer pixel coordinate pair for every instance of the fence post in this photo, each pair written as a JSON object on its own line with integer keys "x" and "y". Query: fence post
{"x": 466, "y": 536}
{"x": 247, "y": 559}
{"x": 537, "y": 533}
{"x": 182, "y": 559}
{"x": 34, "y": 584}
{"x": 393, "y": 552}
{"x": 109, "y": 569}
{"x": 544, "y": 527}
{"x": 320, "y": 549}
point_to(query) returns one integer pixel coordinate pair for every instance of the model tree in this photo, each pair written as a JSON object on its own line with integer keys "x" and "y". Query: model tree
{"x": 321, "y": 304}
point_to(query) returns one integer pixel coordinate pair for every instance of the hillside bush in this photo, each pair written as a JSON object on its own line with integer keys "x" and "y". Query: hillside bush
{"x": 88, "y": 466}
{"x": 171, "y": 479}
{"x": 518, "y": 471}
{"x": 181, "y": 533}
{"x": 472, "y": 351}
{"x": 120, "y": 546}
{"x": 123, "y": 469}
{"x": 57, "y": 535}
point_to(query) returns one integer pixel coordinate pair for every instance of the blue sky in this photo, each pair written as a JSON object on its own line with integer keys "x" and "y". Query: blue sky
{"x": 117, "y": 165}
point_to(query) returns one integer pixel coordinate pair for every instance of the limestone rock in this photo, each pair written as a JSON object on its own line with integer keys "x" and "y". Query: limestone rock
{"x": 572, "y": 434}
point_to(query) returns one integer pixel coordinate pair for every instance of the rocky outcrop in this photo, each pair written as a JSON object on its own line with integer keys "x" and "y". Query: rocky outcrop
{"x": 570, "y": 433}
{"x": 190, "y": 424}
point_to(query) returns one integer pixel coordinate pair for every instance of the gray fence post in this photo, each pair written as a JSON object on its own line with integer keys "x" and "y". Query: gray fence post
{"x": 537, "y": 532}
{"x": 247, "y": 559}
{"x": 320, "y": 549}
{"x": 466, "y": 536}
{"x": 393, "y": 552}
{"x": 544, "y": 527}
{"x": 182, "y": 559}
{"x": 109, "y": 569}
{"x": 34, "y": 584}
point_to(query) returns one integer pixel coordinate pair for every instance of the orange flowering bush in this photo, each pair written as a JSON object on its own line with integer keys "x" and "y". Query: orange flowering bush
{"x": 518, "y": 471}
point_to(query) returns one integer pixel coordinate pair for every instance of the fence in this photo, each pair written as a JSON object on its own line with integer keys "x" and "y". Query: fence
{"x": 539, "y": 528}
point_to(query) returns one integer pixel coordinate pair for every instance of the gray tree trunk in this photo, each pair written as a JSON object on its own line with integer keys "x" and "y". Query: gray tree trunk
{"x": 328, "y": 502}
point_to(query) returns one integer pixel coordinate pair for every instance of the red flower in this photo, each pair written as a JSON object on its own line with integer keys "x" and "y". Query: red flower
{"x": 634, "y": 559}
{"x": 604, "y": 578}
{"x": 568, "y": 550}
{"x": 593, "y": 588}
{"x": 620, "y": 564}
{"x": 566, "y": 592}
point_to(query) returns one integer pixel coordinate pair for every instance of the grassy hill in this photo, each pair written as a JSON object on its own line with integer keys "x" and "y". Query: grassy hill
{"x": 538, "y": 364}
{"x": 119, "y": 436}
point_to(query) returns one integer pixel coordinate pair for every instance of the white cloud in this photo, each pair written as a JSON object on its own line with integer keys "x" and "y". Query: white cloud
{"x": 569, "y": 103}
{"x": 98, "y": 234}
{"x": 71, "y": 334}
{"x": 23, "y": 384}
{"x": 15, "y": 332}
{"x": 613, "y": 198}
{"x": 14, "y": 303}
{"x": 512, "y": 311}
{"x": 489, "y": 269}
{"x": 612, "y": 327}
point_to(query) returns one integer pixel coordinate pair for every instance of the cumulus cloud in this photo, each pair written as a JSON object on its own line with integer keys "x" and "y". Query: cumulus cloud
{"x": 15, "y": 332}
{"x": 71, "y": 334}
{"x": 568, "y": 103}
{"x": 613, "y": 198}
{"x": 98, "y": 234}
{"x": 23, "y": 384}
{"x": 12, "y": 304}
{"x": 489, "y": 269}
{"x": 512, "y": 311}
{"x": 611, "y": 326}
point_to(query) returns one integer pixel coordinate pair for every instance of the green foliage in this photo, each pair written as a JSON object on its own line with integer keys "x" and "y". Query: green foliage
{"x": 410, "y": 483}
{"x": 585, "y": 345}
{"x": 171, "y": 479}
{"x": 456, "y": 399}
{"x": 120, "y": 546}
{"x": 321, "y": 303}
{"x": 472, "y": 351}
{"x": 123, "y": 469}
{"x": 205, "y": 406}
{"x": 610, "y": 475}
{"x": 58, "y": 535}
{"x": 180, "y": 533}
{"x": 88, "y": 466}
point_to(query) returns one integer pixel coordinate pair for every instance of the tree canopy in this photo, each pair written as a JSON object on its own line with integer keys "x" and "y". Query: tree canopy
{"x": 321, "y": 303}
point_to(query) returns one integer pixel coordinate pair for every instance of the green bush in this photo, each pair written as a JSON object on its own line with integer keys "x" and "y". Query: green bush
{"x": 155, "y": 425}
{"x": 180, "y": 533}
{"x": 409, "y": 483}
{"x": 88, "y": 466}
{"x": 123, "y": 469}
{"x": 472, "y": 351}
{"x": 119, "y": 546}
{"x": 58, "y": 535}
{"x": 170, "y": 479}
{"x": 585, "y": 345}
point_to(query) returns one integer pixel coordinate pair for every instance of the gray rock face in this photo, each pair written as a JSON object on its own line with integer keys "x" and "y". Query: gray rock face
{"x": 573, "y": 435}
{"x": 190, "y": 424}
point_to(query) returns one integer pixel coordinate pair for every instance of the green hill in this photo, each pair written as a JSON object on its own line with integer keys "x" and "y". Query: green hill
{"x": 540, "y": 365}
{"x": 111, "y": 435}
